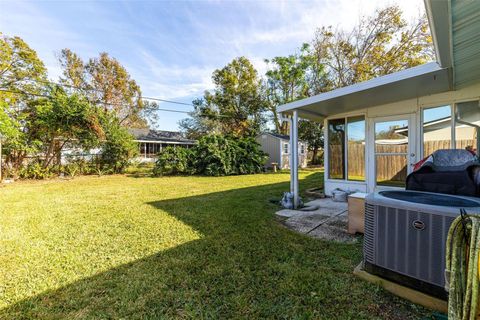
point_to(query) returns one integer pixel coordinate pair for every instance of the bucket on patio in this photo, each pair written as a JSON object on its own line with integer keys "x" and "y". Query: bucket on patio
{"x": 339, "y": 195}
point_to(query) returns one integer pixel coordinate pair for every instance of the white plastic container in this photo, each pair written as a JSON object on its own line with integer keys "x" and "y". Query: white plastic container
{"x": 339, "y": 195}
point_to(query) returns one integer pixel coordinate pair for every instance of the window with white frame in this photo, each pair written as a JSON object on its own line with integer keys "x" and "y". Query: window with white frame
{"x": 302, "y": 149}
{"x": 437, "y": 129}
{"x": 438, "y": 122}
{"x": 346, "y": 148}
{"x": 285, "y": 148}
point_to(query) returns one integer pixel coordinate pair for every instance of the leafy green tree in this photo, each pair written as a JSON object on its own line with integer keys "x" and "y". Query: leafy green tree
{"x": 105, "y": 81}
{"x": 286, "y": 81}
{"x": 235, "y": 106}
{"x": 60, "y": 120}
{"x": 312, "y": 133}
{"x": 378, "y": 45}
{"x": 291, "y": 78}
{"x": 22, "y": 76}
{"x": 118, "y": 147}
{"x": 20, "y": 70}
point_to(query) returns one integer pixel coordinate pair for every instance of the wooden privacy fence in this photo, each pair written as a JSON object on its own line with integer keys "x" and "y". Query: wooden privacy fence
{"x": 391, "y": 167}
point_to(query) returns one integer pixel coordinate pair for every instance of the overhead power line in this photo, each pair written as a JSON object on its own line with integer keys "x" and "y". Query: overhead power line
{"x": 113, "y": 104}
{"x": 101, "y": 91}
{"x": 99, "y": 102}
{"x": 168, "y": 101}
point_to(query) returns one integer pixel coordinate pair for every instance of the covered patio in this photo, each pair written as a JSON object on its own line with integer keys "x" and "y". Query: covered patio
{"x": 375, "y": 131}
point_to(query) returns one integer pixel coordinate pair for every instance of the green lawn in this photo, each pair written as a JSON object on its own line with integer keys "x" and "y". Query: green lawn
{"x": 173, "y": 247}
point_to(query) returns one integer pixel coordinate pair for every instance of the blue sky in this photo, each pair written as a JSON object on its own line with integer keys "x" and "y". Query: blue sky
{"x": 171, "y": 48}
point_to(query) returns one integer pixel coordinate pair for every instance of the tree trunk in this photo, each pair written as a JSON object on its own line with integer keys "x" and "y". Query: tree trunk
{"x": 314, "y": 155}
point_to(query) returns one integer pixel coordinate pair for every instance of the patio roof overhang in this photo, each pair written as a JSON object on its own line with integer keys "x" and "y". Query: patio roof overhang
{"x": 414, "y": 82}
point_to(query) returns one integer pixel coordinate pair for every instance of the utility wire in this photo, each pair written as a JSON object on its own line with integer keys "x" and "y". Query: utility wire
{"x": 101, "y": 91}
{"x": 112, "y": 104}
{"x": 97, "y": 90}
{"x": 99, "y": 102}
{"x": 116, "y": 104}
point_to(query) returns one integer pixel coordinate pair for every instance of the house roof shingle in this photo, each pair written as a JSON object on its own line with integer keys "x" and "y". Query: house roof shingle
{"x": 159, "y": 135}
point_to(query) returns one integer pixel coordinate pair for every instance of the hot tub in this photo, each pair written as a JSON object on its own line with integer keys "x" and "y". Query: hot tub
{"x": 428, "y": 198}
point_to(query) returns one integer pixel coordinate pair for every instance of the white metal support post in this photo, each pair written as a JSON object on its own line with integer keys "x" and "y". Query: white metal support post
{"x": 294, "y": 153}
{"x": 290, "y": 155}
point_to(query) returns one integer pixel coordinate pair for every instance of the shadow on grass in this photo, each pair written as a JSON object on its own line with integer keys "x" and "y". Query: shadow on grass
{"x": 245, "y": 266}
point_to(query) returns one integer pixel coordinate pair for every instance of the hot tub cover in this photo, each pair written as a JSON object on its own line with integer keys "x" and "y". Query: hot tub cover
{"x": 451, "y": 171}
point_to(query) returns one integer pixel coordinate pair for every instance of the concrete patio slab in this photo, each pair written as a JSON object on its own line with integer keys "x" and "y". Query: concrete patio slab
{"x": 333, "y": 230}
{"x": 287, "y": 213}
{"x": 327, "y": 203}
{"x": 327, "y": 220}
{"x": 304, "y": 222}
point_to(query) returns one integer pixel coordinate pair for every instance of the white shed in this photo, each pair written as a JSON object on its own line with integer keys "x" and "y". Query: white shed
{"x": 277, "y": 146}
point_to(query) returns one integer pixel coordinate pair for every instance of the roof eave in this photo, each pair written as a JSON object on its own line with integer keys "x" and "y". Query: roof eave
{"x": 411, "y": 83}
{"x": 440, "y": 22}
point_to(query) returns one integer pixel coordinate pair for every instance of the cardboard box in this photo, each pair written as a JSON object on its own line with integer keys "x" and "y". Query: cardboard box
{"x": 356, "y": 212}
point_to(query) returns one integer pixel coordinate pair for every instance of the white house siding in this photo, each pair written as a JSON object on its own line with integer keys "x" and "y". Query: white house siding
{"x": 410, "y": 106}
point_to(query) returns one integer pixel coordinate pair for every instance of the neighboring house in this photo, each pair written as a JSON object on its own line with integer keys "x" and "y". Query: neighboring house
{"x": 277, "y": 147}
{"x": 150, "y": 142}
{"x": 375, "y": 131}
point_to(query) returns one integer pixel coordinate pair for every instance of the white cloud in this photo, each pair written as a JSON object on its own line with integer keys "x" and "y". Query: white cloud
{"x": 171, "y": 81}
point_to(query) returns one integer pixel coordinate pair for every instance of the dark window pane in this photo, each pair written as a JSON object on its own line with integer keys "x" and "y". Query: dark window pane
{"x": 336, "y": 149}
{"x": 437, "y": 129}
{"x": 356, "y": 148}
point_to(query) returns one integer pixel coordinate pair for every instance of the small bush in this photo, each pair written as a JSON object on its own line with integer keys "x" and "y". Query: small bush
{"x": 72, "y": 169}
{"x": 174, "y": 161}
{"x": 79, "y": 166}
{"x": 35, "y": 170}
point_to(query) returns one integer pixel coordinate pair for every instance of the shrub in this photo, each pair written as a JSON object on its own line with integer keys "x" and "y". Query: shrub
{"x": 72, "y": 169}
{"x": 35, "y": 170}
{"x": 79, "y": 166}
{"x": 174, "y": 161}
{"x": 118, "y": 148}
{"x": 214, "y": 155}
